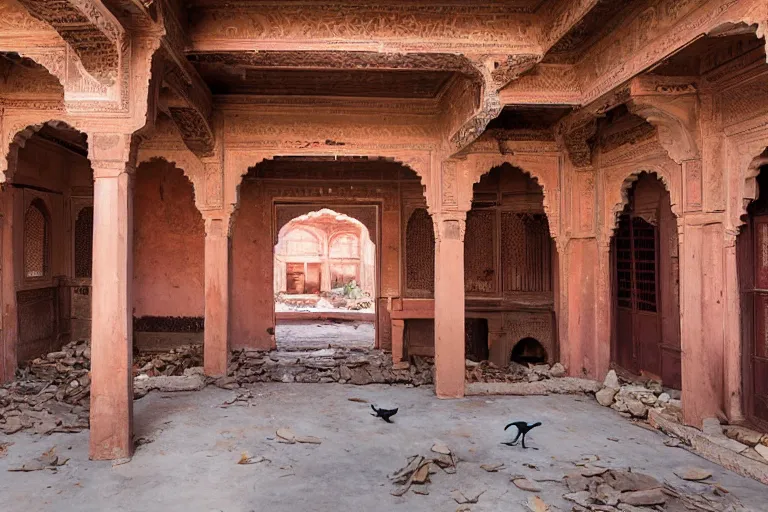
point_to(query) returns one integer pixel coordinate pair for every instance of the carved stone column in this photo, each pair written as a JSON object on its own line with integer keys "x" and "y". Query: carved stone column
{"x": 398, "y": 343}
{"x": 217, "y": 262}
{"x": 449, "y": 303}
{"x": 112, "y": 322}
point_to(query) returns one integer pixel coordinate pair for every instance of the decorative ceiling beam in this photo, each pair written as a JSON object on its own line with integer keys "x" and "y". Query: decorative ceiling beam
{"x": 89, "y": 28}
{"x": 563, "y": 17}
{"x": 400, "y": 27}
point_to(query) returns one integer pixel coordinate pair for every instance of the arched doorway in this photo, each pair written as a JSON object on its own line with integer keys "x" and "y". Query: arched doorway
{"x": 752, "y": 255}
{"x": 325, "y": 281}
{"x": 510, "y": 262}
{"x": 646, "y": 285}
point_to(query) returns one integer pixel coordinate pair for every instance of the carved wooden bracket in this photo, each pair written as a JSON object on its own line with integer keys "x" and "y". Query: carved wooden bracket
{"x": 673, "y": 109}
{"x": 188, "y": 102}
{"x": 497, "y": 71}
{"x": 578, "y": 141}
{"x": 89, "y": 28}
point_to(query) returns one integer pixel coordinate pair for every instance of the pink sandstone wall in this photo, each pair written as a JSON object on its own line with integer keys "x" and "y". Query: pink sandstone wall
{"x": 169, "y": 243}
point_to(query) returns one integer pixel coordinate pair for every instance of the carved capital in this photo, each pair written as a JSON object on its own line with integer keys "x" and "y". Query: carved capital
{"x": 450, "y": 225}
{"x": 109, "y": 147}
{"x": 217, "y": 224}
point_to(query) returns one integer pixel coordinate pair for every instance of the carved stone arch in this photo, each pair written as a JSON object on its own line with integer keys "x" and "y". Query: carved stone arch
{"x": 17, "y": 131}
{"x": 544, "y": 173}
{"x": 190, "y": 167}
{"x": 238, "y": 163}
{"x": 617, "y": 198}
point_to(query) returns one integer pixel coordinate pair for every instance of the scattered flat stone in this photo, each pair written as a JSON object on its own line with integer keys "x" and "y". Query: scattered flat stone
{"x": 421, "y": 475}
{"x": 590, "y": 471}
{"x": 672, "y": 442}
{"x": 441, "y": 448}
{"x": 308, "y": 440}
{"x": 583, "y": 498}
{"x": 693, "y": 474}
{"x": 536, "y": 504}
{"x": 285, "y": 435}
{"x": 461, "y": 497}
{"x": 492, "y": 468}
{"x": 422, "y": 489}
{"x": 644, "y": 498}
{"x": 526, "y": 485}
{"x": 358, "y": 400}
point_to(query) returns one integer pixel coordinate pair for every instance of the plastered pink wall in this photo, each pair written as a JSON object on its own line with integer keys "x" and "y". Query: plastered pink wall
{"x": 169, "y": 244}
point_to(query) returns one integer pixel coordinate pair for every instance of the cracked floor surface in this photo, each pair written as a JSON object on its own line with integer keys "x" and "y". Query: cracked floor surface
{"x": 191, "y": 462}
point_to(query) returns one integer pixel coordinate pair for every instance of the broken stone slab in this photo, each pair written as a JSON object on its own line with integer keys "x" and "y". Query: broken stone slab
{"x": 693, "y": 474}
{"x": 142, "y": 386}
{"x": 564, "y": 386}
{"x": 644, "y": 498}
{"x": 742, "y": 435}
{"x": 705, "y": 448}
{"x": 526, "y": 485}
{"x": 762, "y": 450}
{"x": 557, "y": 371}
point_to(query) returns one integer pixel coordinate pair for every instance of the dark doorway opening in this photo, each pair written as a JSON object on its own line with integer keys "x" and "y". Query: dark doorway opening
{"x": 476, "y": 339}
{"x": 529, "y": 351}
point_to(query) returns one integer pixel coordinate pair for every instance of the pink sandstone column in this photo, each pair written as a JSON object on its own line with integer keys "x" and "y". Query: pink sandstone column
{"x": 216, "y": 334}
{"x": 449, "y": 304}
{"x": 112, "y": 329}
{"x": 733, "y": 350}
{"x": 398, "y": 333}
{"x": 9, "y": 332}
{"x": 702, "y": 325}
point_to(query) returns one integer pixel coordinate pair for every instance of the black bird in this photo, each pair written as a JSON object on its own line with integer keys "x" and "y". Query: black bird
{"x": 384, "y": 414}
{"x": 522, "y": 429}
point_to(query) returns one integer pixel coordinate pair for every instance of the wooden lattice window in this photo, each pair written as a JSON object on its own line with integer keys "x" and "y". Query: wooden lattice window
{"x": 420, "y": 255}
{"x": 36, "y": 240}
{"x": 636, "y": 264}
{"x": 526, "y": 251}
{"x": 84, "y": 242}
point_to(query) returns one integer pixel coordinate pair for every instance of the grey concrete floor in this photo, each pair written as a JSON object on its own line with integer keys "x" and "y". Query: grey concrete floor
{"x": 192, "y": 463}
{"x": 317, "y": 334}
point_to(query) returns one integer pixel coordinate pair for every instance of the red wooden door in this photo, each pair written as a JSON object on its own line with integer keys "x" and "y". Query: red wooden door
{"x": 638, "y": 327}
{"x": 757, "y": 360}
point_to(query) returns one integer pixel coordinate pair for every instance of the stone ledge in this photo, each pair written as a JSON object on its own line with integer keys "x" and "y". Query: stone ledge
{"x": 563, "y": 386}
{"x": 704, "y": 447}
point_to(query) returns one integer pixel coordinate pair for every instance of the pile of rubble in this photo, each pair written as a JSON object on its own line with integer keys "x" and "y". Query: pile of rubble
{"x": 486, "y": 371}
{"x": 172, "y": 363}
{"x": 633, "y": 400}
{"x": 50, "y": 394}
{"x": 594, "y": 488}
{"x": 326, "y": 365}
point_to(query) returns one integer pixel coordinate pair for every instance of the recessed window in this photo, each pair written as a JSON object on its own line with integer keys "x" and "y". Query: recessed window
{"x": 84, "y": 242}
{"x": 36, "y": 240}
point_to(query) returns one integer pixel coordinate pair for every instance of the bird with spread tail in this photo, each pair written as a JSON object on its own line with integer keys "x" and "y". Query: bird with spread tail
{"x": 523, "y": 428}
{"x": 384, "y": 414}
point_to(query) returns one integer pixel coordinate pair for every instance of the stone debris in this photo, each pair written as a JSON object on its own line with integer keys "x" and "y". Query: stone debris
{"x": 173, "y": 363}
{"x": 462, "y": 497}
{"x": 418, "y": 470}
{"x": 48, "y": 460}
{"x": 614, "y": 490}
{"x": 327, "y": 365}
{"x": 693, "y": 474}
{"x": 492, "y": 468}
{"x": 536, "y": 504}
{"x": 486, "y": 371}
{"x": 526, "y": 485}
{"x": 245, "y": 458}
{"x": 4, "y": 448}
{"x": 50, "y": 394}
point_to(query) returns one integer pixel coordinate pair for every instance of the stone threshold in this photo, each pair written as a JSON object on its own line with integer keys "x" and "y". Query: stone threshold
{"x": 701, "y": 444}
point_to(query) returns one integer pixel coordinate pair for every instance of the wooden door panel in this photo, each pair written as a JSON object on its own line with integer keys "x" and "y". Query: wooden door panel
{"x": 624, "y": 353}
{"x": 647, "y": 342}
